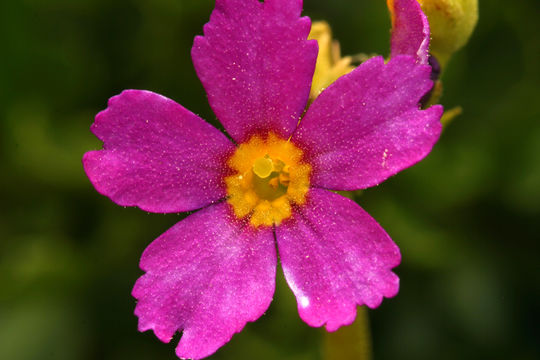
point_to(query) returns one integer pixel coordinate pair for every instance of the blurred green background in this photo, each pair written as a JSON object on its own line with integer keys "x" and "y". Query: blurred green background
{"x": 466, "y": 219}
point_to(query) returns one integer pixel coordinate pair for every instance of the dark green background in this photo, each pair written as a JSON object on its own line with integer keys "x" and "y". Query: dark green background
{"x": 466, "y": 219}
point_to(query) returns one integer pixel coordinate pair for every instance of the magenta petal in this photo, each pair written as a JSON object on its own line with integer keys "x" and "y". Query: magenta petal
{"x": 156, "y": 154}
{"x": 368, "y": 126}
{"x": 208, "y": 275}
{"x": 410, "y": 30}
{"x": 335, "y": 257}
{"x": 256, "y": 65}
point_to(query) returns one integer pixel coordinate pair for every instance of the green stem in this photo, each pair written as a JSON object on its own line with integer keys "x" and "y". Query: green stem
{"x": 351, "y": 342}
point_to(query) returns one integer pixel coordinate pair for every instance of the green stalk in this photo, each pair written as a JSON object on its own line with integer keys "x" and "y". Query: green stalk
{"x": 351, "y": 342}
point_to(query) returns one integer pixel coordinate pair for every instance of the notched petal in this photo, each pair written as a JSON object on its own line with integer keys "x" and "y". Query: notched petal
{"x": 256, "y": 65}
{"x": 368, "y": 125}
{"x": 335, "y": 257}
{"x": 156, "y": 155}
{"x": 207, "y": 276}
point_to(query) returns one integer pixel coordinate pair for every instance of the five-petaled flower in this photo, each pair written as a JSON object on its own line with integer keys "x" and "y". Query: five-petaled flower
{"x": 215, "y": 270}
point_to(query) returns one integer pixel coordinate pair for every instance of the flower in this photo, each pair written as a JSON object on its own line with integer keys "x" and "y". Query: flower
{"x": 410, "y": 36}
{"x": 215, "y": 270}
{"x": 452, "y": 23}
{"x": 410, "y": 30}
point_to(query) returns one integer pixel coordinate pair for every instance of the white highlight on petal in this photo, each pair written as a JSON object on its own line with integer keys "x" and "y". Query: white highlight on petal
{"x": 303, "y": 300}
{"x": 384, "y": 157}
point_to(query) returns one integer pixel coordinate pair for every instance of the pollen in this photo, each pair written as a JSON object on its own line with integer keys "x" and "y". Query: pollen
{"x": 270, "y": 178}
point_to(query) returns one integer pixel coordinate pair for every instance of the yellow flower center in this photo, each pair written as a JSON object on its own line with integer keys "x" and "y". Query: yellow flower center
{"x": 270, "y": 177}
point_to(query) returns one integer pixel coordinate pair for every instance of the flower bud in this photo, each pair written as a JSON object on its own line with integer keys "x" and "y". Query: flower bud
{"x": 452, "y": 23}
{"x": 330, "y": 64}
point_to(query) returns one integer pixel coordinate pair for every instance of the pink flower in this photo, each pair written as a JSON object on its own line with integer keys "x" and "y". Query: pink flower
{"x": 215, "y": 270}
{"x": 410, "y": 30}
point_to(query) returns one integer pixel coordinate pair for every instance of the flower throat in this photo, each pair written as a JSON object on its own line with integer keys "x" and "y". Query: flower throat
{"x": 270, "y": 177}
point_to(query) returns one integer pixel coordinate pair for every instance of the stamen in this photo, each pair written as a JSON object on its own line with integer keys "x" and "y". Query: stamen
{"x": 263, "y": 167}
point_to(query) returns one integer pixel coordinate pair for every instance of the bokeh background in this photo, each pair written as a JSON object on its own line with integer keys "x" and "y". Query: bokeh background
{"x": 467, "y": 219}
